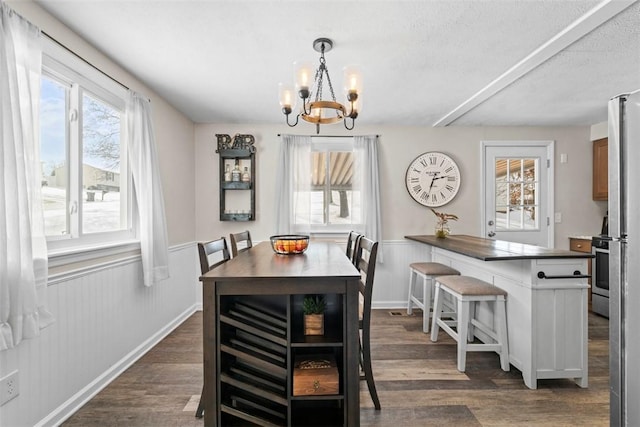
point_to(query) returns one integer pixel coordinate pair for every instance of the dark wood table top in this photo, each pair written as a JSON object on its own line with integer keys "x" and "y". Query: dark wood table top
{"x": 494, "y": 250}
{"x": 321, "y": 259}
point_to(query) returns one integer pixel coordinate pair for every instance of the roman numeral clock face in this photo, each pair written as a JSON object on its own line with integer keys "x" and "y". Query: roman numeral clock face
{"x": 433, "y": 179}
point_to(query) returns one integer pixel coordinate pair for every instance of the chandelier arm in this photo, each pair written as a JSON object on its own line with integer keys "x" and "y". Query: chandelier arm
{"x": 353, "y": 123}
{"x": 304, "y": 108}
{"x": 292, "y": 125}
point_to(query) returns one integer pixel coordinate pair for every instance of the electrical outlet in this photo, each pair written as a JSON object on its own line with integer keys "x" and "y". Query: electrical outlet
{"x": 9, "y": 387}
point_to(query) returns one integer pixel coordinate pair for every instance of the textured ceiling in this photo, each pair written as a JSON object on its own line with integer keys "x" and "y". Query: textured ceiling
{"x": 221, "y": 61}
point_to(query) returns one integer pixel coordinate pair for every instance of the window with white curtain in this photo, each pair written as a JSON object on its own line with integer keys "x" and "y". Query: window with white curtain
{"x": 328, "y": 201}
{"x": 329, "y": 185}
{"x": 86, "y": 182}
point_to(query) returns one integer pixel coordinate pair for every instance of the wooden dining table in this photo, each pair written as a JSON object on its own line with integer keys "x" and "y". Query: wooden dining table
{"x": 252, "y": 334}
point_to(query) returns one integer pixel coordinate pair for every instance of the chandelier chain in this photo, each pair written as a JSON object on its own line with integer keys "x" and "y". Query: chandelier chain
{"x": 320, "y": 72}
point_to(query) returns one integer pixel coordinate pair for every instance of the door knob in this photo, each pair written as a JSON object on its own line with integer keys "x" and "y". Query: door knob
{"x": 491, "y": 222}
{"x": 491, "y": 234}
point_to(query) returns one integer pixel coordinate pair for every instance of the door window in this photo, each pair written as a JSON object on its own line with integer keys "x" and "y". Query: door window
{"x": 516, "y": 201}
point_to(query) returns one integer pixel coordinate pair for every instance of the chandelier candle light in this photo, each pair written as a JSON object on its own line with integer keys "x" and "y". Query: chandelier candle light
{"x": 314, "y": 108}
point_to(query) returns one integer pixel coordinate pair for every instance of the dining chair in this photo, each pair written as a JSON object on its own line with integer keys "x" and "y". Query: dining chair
{"x": 352, "y": 245}
{"x": 236, "y": 238}
{"x": 365, "y": 261}
{"x": 205, "y": 251}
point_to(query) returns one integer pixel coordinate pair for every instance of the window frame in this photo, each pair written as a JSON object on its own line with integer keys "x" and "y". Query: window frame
{"x": 80, "y": 78}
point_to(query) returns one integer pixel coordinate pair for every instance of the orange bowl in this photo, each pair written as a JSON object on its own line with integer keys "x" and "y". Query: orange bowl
{"x": 289, "y": 244}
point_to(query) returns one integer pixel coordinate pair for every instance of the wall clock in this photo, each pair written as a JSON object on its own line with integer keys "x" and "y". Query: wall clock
{"x": 433, "y": 179}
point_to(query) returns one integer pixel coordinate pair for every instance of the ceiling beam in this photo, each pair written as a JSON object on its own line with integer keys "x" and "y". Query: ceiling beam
{"x": 579, "y": 28}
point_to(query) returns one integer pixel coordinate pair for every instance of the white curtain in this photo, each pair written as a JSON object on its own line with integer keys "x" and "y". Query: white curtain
{"x": 292, "y": 194}
{"x": 23, "y": 247}
{"x": 366, "y": 179}
{"x": 148, "y": 189}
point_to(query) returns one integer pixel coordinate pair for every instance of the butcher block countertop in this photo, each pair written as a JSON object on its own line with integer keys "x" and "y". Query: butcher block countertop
{"x": 494, "y": 250}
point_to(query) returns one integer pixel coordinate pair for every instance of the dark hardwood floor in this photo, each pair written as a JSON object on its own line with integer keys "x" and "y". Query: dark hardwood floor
{"x": 417, "y": 382}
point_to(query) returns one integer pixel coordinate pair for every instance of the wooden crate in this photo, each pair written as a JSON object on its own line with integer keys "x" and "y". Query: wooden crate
{"x": 315, "y": 375}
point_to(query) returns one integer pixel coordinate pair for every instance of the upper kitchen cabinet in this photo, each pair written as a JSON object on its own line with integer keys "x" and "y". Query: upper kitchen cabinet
{"x": 601, "y": 169}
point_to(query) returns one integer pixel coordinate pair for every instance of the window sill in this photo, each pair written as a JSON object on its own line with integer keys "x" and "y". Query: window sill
{"x": 79, "y": 255}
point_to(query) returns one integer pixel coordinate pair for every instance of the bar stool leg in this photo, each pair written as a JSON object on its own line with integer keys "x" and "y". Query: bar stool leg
{"x": 501, "y": 326}
{"x": 437, "y": 309}
{"x": 472, "y": 313}
{"x": 426, "y": 305}
{"x": 462, "y": 332}
{"x": 412, "y": 284}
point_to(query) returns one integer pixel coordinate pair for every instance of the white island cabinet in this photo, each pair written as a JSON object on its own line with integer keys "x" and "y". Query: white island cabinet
{"x": 546, "y": 302}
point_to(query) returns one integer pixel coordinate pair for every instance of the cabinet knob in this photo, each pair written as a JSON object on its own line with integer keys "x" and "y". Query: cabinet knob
{"x": 579, "y": 245}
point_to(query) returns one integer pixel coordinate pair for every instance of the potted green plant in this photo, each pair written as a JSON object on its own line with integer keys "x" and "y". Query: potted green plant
{"x": 313, "y": 308}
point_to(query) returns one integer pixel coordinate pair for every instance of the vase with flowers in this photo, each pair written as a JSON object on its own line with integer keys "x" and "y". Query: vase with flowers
{"x": 442, "y": 226}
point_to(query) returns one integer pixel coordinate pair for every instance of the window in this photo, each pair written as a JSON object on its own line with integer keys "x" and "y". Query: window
{"x": 85, "y": 177}
{"x": 328, "y": 185}
{"x": 326, "y": 199}
{"x": 516, "y": 194}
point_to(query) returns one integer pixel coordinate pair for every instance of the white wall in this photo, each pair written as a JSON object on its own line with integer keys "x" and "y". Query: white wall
{"x": 105, "y": 316}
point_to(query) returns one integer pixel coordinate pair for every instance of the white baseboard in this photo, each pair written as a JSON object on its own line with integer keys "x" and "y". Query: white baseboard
{"x": 68, "y": 408}
{"x": 389, "y": 305}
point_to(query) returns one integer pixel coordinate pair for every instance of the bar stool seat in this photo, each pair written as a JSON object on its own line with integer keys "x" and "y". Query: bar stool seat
{"x": 466, "y": 291}
{"x": 427, "y": 271}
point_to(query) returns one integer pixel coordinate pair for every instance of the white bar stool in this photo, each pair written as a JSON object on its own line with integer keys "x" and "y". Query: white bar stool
{"x": 467, "y": 291}
{"x": 427, "y": 271}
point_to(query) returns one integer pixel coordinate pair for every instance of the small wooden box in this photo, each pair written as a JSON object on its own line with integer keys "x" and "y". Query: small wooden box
{"x": 315, "y": 376}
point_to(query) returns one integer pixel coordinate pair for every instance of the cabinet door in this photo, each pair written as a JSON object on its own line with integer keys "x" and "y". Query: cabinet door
{"x": 601, "y": 169}
{"x": 583, "y": 245}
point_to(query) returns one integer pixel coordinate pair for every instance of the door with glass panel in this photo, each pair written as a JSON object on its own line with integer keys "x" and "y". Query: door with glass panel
{"x": 518, "y": 191}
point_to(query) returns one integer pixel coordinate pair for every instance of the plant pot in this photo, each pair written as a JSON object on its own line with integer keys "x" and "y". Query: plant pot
{"x": 442, "y": 230}
{"x": 314, "y": 324}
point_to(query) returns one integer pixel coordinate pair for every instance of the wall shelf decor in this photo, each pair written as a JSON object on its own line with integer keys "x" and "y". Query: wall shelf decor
{"x": 237, "y": 177}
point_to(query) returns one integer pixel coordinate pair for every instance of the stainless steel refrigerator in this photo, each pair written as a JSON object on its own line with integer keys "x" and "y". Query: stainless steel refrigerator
{"x": 624, "y": 258}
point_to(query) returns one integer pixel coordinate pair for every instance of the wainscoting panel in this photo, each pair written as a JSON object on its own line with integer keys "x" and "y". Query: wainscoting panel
{"x": 392, "y": 276}
{"x": 105, "y": 319}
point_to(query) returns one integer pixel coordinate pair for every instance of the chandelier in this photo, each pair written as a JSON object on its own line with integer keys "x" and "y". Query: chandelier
{"x": 314, "y": 108}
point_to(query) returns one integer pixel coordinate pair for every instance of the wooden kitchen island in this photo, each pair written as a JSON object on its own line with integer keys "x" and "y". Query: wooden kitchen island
{"x": 546, "y": 302}
{"x": 253, "y": 334}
